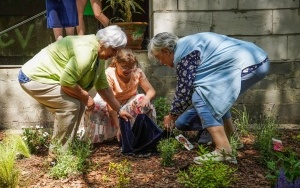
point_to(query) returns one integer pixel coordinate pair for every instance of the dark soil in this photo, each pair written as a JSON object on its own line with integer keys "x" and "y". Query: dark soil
{"x": 147, "y": 172}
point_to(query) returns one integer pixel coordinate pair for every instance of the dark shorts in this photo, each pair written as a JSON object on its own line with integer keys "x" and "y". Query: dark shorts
{"x": 61, "y": 13}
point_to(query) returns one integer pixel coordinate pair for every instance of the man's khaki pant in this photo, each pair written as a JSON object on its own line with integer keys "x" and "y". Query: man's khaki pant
{"x": 67, "y": 110}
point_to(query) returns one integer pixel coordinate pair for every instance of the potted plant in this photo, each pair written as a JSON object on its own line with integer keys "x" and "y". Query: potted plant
{"x": 134, "y": 30}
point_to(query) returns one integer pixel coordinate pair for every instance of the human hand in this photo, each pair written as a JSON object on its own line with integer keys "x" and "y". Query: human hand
{"x": 145, "y": 102}
{"x": 119, "y": 135}
{"x": 90, "y": 104}
{"x": 124, "y": 115}
{"x": 169, "y": 123}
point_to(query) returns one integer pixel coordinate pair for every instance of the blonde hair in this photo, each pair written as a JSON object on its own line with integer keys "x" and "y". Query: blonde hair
{"x": 124, "y": 55}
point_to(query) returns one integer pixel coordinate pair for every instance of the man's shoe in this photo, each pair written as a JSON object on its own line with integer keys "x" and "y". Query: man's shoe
{"x": 215, "y": 156}
{"x": 205, "y": 138}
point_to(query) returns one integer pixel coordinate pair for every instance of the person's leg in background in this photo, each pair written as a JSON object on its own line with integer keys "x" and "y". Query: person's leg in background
{"x": 70, "y": 30}
{"x": 58, "y": 33}
{"x": 98, "y": 12}
{"x": 80, "y": 9}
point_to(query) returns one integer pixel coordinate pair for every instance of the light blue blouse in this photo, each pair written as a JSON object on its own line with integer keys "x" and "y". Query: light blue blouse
{"x": 218, "y": 77}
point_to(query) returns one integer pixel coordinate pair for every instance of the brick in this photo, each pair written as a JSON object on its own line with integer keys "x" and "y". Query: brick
{"x": 207, "y": 5}
{"x": 246, "y": 23}
{"x": 182, "y": 24}
{"x": 293, "y": 47}
{"x": 281, "y": 68}
{"x": 286, "y": 21}
{"x": 267, "y": 4}
{"x": 164, "y": 5}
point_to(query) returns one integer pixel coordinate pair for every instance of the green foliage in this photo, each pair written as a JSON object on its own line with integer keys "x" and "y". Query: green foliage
{"x": 12, "y": 146}
{"x": 202, "y": 150}
{"x": 235, "y": 141}
{"x": 66, "y": 166}
{"x": 125, "y": 8}
{"x": 36, "y": 139}
{"x": 264, "y": 132}
{"x": 210, "y": 174}
{"x": 162, "y": 108}
{"x": 287, "y": 161}
{"x": 72, "y": 161}
{"x": 298, "y": 137}
{"x": 241, "y": 120}
{"x": 122, "y": 170}
{"x": 167, "y": 149}
{"x": 82, "y": 151}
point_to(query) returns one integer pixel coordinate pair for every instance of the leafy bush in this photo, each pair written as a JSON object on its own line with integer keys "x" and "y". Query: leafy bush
{"x": 162, "y": 108}
{"x": 209, "y": 174}
{"x": 167, "y": 149}
{"x": 122, "y": 169}
{"x": 11, "y": 147}
{"x": 36, "y": 139}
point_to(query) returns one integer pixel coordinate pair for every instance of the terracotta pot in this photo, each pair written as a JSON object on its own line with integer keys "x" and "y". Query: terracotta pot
{"x": 135, "y": 33}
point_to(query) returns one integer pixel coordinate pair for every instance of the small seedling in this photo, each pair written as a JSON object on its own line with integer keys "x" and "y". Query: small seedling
{"x": 122, "y": 169}
{"x": 167, "y": 149}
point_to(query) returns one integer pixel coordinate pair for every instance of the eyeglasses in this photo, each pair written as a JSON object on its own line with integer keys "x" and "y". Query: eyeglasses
{"x": 127, "y": 68}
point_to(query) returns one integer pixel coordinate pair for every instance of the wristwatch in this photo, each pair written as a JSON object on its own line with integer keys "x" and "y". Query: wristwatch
{"x": 118, "y": 112}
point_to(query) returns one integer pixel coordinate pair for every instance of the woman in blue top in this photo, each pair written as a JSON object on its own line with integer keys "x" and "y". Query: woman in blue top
{"x": 212, "y": 71}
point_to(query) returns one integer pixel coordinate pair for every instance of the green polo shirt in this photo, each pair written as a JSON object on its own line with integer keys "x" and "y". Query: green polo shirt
{"x": 69, "y": 61}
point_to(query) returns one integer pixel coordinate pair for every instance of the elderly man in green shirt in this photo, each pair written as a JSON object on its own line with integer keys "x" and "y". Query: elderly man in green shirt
{"x": 60, "y": 76}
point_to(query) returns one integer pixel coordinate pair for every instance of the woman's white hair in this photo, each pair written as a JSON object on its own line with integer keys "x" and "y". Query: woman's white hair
{"x": 164, "y": 40}
{"x": 112, "y": 36}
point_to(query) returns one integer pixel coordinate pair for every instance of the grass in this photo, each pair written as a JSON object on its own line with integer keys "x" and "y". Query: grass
{"x": 12, "y": 147}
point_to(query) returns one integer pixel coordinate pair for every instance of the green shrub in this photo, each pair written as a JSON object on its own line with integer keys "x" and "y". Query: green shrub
{"x": 162, "y": 108}
{"x": 11, "y": 147}
{"x": 167, "y": 149}
{"x": 209, "y": 174}
{"x": 36, "y": 139}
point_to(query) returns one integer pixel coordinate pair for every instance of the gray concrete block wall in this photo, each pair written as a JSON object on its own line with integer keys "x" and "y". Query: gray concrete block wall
{"x": 18, "y": 109}
{"x": 271, "y": 24}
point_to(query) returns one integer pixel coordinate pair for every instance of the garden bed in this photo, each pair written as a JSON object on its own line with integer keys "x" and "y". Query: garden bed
{"x": 147, "y": 172}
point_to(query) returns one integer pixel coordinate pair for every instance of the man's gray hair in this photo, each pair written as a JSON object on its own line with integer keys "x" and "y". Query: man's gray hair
{"x": 162, "y": 40}
{"x": 112, "y": 36}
